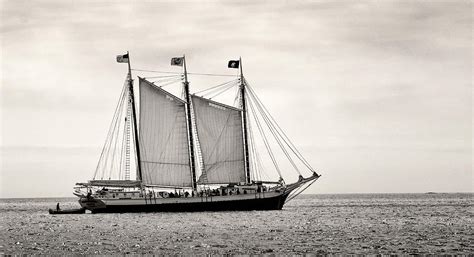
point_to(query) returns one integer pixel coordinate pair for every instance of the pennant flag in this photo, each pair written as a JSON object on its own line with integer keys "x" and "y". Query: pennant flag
{"x": 178, "y": 61}
{"x": 233, "y": 64}
{"x": 122, "y": 58}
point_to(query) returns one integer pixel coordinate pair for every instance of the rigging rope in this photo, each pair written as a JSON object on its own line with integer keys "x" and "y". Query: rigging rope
{"x": 132, "y": 131}
{"x": 164, "y": 76}
{"x": 287, "y": 141}
{"x": 112, "y": 124}
{"x": 280, "y": 131}
{"x": 114, "y": 138}
{"x": 164, "y": 80}
{"x": 215, "y": 87}
{"x": 110, "y": 150}
{"x": 168, "y": 83}
{"x": 265, "y": 141}
{"x": 212, "y": 74}
{"x": 297, "y": 192}
{"x": 259, "y": 162}
{"x": 189, "y": 73}
{"x": 122, "y": 153}
{"x": 265, "y": 118}
{"x": 222, "y": 91}
{"x": 254, "y": 158}
{"x": 156, "y": 71}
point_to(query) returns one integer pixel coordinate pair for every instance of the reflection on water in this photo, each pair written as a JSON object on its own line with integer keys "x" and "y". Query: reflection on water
{"x": 349, "y": 223}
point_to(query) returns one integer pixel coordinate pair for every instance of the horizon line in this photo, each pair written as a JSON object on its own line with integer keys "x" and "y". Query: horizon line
{"x": 373, "y": 193}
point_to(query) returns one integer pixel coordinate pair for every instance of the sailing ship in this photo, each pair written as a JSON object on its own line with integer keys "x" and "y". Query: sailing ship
{"x": 189, "y": 153}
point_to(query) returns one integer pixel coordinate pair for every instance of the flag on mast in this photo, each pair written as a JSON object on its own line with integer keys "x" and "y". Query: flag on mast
{"x": 177, "y": 61}
{"x": 122, "y": 58}
{"x": 233, "y": 64}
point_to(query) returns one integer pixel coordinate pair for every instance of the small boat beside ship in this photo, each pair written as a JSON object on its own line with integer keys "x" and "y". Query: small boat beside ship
{"x": 190, "y": 153}
{"x": 68, "y": 211}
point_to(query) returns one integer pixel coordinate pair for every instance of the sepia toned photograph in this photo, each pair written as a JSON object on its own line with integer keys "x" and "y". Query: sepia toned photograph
{"x": 219, "y": 127}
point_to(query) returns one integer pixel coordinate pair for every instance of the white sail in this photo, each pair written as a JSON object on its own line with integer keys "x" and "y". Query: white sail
{"x": 164, "y": 150}
{"x": 219, "y": 130}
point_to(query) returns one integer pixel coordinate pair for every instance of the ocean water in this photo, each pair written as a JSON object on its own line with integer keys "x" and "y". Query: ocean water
{"x": 318, "y": 224}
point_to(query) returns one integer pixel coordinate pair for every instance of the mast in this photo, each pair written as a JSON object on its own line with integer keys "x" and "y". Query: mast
{"x": 244, "y": 121}
{"x": 190, "y": 125}
{"x": 134, "y": 119}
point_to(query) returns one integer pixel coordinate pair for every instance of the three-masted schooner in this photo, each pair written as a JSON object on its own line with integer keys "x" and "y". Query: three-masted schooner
{"x": 189, "y": 153}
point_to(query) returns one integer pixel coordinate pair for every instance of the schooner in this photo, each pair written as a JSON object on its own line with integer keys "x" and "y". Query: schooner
{"x": 189, "y": 153}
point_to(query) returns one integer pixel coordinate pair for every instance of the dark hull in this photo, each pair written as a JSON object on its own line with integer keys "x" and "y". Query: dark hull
{"x": 271, "y": 203}
{"x": 73, "y": 211}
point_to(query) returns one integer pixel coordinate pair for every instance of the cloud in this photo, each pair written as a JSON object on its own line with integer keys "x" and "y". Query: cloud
{"x": 353, "y": 75}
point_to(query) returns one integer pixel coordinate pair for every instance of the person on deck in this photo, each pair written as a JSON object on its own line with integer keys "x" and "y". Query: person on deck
{"x": 57, "y": 207}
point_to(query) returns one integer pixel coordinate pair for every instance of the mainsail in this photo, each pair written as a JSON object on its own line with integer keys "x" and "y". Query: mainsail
{"x": 219, "y": 130}
{"x": 163, "y": 138}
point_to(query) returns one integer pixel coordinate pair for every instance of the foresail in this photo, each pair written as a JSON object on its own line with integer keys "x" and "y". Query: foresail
{"x": 219, "y": 130}
{"x": 163, "y": 138}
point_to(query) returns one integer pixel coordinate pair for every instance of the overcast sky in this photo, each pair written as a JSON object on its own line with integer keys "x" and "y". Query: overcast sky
{"x": 376, "y": 94}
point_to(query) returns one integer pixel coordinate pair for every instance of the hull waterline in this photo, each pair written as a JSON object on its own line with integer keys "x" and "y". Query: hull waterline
{"x": 270, "y": 200}
{"x": 206, "y": 204}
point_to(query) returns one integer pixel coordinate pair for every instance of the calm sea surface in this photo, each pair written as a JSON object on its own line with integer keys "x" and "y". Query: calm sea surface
{"x": 332, "y": 224}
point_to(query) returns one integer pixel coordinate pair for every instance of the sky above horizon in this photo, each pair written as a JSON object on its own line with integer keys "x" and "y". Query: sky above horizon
{"x": 377, "y": 95}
